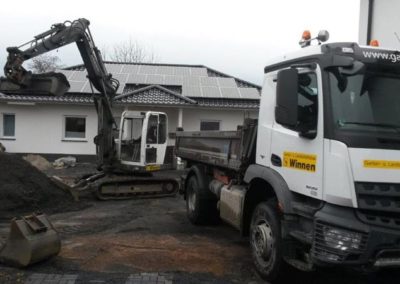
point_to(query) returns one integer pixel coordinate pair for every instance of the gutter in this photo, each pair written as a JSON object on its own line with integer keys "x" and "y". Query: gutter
{"x": 369, "y": 22}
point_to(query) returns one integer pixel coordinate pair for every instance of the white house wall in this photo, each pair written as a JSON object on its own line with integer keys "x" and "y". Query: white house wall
{"x": 229, "y": 119}
{"x": 39, "y": 129}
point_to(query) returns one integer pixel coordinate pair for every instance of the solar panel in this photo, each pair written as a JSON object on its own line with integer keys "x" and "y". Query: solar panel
{"x": 155, "y": 79}
{"x": 165, "y": 70}
{"x": 67, "y": 73}
{"x": 210, "y": 92}
{"x": 198, "y": 71}
{"x": 114, "y": 68}
{"x": 191, "y": 91}
{"x": 173, "y": 80}
{"x": 79, "y": 76}
{"x": 136, "y": 79}
{"x": 230, "y": 93}
{"x": 130, "y": 68}
{"x": 191, "y": 80}
{"x": 208, "y": 81}
{"x": 183, "y": 71}
{"x": 227, "y": 82}
{"x": 76, "y": 87}
{"x": 122, "y": 78}
{"x": 87, "y": 89}
{"x": 249, "y": 93}
{"x": 148, "y": 69}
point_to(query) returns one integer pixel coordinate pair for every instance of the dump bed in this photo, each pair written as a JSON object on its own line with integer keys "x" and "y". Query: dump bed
{"x": 226, "y": 149}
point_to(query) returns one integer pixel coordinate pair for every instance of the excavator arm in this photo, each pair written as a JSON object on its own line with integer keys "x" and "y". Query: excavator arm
{"x": 19, "y": 79}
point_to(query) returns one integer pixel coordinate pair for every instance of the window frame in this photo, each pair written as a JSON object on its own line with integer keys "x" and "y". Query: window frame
{"x": 211, "y": 120}
{"x": 73, "y": 139}
{"x": 3, "y": 136}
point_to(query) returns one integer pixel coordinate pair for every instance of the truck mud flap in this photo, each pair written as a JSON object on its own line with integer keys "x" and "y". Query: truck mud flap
{"x": 31, "y": 239}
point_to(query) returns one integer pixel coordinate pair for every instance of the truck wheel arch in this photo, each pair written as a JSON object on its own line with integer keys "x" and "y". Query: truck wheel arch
{"x": 200, "y": 172}
{"x": 264, "y": 183}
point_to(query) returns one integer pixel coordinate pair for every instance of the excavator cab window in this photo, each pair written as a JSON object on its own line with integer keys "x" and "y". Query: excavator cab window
{"x": 152, "y": 129}
{"x": 131, "y": 139}
{"x": 162, "y": 129}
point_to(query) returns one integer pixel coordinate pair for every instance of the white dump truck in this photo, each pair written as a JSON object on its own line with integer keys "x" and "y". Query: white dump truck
{"x": 315, "y": 180}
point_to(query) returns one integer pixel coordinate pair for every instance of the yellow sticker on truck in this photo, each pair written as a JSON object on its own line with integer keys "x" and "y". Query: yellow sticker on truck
{"x": 382, "y": 164}
{"x": 152, "y": 168}
{"x": 300, "y": 161}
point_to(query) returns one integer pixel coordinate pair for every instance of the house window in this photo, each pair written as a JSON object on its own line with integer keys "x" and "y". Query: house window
{"x": 75, "y": 127}
{"x": 209, "y": 125}
{"x": 8, "y": 125}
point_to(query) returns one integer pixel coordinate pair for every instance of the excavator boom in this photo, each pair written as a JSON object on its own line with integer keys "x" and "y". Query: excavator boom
{"x": 20, "y": 80}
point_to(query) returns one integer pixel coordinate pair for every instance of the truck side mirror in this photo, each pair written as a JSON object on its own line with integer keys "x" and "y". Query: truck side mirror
{"x": 287, "y": 97}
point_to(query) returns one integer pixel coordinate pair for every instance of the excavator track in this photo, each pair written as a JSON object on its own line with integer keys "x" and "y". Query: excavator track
{"x": 119, "y": 187}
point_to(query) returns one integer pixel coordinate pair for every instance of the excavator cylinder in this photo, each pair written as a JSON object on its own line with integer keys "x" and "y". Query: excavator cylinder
{"x": 32, "y": 239}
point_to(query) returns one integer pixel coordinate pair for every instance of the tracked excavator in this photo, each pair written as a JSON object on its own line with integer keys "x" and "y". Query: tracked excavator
{"x": 127, "y": 166}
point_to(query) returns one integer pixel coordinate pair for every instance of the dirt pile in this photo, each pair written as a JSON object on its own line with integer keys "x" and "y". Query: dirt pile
{"x": 24, "y": 189}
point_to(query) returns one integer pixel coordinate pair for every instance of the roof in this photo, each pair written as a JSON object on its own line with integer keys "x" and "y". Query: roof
{"x": 154, "y": 94}
{"x": 195, "y": 80}
{"x": 66, "y": 99}
{"x": 157, "y": 84}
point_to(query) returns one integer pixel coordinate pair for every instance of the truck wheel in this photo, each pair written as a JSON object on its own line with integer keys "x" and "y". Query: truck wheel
{"x": 201, "y": 206}
{"x": 266, "y": 242}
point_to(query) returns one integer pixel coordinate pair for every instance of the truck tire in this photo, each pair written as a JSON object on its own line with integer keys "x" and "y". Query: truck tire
{"x": 201, "y": 205}
{"x": 266, "y": 241}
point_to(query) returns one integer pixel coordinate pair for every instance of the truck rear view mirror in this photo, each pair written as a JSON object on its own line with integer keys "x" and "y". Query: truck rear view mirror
{"x": 287, "y": 97}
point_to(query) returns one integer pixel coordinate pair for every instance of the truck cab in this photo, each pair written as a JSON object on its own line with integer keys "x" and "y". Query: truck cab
{"x": 331, "y": 114}
{"x": 319, "y": 185}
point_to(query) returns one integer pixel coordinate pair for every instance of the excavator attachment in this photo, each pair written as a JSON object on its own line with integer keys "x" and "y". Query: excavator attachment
{"x": 51, "y": 83}
{"x": 32, "y": 239}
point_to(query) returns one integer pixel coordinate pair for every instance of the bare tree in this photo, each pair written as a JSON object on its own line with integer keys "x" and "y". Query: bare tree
{"x": 131, "y": 51}
{"x": 44, "y": 63}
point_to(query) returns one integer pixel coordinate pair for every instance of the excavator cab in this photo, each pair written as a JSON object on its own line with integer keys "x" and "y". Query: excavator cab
{"x": 142, "y": 141}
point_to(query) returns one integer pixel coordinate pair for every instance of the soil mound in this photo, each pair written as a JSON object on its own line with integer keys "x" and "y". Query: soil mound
{"x": 24, "y": 189}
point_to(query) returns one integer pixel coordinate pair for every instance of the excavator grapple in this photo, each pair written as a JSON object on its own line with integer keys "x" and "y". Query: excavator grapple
{"x": 31, "y": 239}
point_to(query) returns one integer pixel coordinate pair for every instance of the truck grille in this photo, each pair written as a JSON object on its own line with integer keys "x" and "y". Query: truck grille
{"x": 379, "y": 203}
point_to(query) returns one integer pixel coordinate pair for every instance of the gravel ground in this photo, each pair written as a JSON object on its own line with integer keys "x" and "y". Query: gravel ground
{"x": 123, "y": 241}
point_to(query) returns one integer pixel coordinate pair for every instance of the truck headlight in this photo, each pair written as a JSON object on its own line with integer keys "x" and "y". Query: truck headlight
{"x": 341, "y": 239}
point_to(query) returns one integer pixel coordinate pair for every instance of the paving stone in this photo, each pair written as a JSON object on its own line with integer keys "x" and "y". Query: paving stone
{"x": 41, "y": 278}
{"x": 149, "y": 278}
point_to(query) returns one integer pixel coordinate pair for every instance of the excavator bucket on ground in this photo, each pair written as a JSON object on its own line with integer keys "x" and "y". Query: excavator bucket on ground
{"x": 32, "y": 239}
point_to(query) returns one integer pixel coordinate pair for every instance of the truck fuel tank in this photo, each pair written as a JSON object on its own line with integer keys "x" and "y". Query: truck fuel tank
{"x": 231, "y": 204}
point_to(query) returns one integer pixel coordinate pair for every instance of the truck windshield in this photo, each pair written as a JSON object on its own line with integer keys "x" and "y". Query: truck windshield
{"x": 367, "y": 102}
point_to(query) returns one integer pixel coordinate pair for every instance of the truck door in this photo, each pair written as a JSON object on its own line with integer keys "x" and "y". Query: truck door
{"x": 297, "y": 158}
{"x": 155, "y": 138}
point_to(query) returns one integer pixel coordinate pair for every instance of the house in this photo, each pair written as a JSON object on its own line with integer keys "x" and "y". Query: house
{"x": 380, "y": 20}
{"x": 194, "y": 97}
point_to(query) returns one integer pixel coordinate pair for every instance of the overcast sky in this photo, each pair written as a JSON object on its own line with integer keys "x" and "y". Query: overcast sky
{"x": 234, "y": 37}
